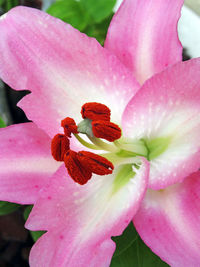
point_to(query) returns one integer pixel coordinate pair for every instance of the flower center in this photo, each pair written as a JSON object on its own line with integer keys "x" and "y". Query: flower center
{"x": 115, "y": 151}
{"x": 96, "y": 124}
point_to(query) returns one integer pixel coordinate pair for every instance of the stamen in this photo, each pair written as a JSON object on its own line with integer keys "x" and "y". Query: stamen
{"x": 75, "y": 168}
{"x": 103, "y": 145}
{"x": 86, "y": 144}
{"x": 106, "y": 130}
{"x": 96, "y": 126}
{"x": 95, "y": 163}
{"x": 69, "y": 126}
{"x": 59, "y": 146}
{"x": 95, "y": 111}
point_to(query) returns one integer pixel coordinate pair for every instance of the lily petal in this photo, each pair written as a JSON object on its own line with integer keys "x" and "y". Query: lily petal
{"x": 81, "y": 219}
{"x": 62, "y": 67}
{"x": 25, "y": 162}
{"x": 143, "y": 34}
{"x": 169, "y": 223}
{"x": 166, "y": 110}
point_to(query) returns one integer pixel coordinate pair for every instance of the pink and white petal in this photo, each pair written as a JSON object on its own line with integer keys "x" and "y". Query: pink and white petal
{"x": 61, "y": 66}
{"x": 91, "y": 255}
{"x": 168, "y": 107}
{"x": 143, "y": 34}
{"x": 26, "y": 163}
{"x": 80, "y": 220}
{"x": 169, "y": 223}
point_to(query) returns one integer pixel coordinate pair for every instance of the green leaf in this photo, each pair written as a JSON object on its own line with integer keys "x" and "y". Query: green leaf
{"x": 27, "y": 211}
{"x": 8, "y": 4}
{"x": 34, "y": 234}
{"x": 146, "y": 257}
{"x": 2, "y": 123}
{"x": 99, "y": 30}
{"x": 98, "y": 9}
{"x": 124, "y": 241}
{"x": 1, "y": 2}
{"x": 70, "y": 11}
{"x": 84, "y": 16}
{"x": 135, "y": 253}
{"x": 7, "y": 207}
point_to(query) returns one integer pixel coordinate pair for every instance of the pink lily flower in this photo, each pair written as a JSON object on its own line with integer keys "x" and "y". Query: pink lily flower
{"x": 153, "y": 181}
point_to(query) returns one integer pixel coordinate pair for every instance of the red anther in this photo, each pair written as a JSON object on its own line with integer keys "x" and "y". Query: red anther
{"x": 95, "y": 111}
{"x": 69, "y": 126}
{"x": 76, "y": 170}
{"x": 95, "y": 163}
{"x": 59, "y": 146}
{"x": 106, "y": 130}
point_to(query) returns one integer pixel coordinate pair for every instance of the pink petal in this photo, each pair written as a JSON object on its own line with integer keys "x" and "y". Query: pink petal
{"x": 168, "y": 106}
{"x": 143, "y": 34}
{"x": 169, "y": 222}
{"x": 81, "y": 219}
{"x": 61, "y": 66}
{"x": 25, "y": 162}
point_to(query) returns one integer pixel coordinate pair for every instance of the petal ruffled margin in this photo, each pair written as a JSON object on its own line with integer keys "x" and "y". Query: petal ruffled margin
{"x": 62, "y": 67}
{"x": 80, "y": 220}
{"x": 165, "y": 112}
{"x": 143, "y": 34}
{"x": 169, "y": 222}
{"x": 26, "y": 163}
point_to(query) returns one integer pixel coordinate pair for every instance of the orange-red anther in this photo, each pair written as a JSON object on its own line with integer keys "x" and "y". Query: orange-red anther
{"x": 95, "y": 111}
{"x": 106, "y": 130}
{"x": 69, "y": 126}
{"x": 75, "y": 168}
{"x": 95, "y": 163}
{"x": 59, "y": 146}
